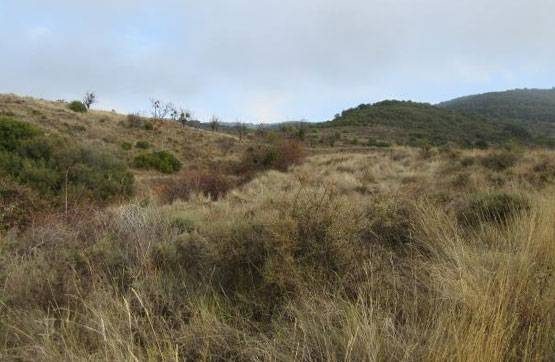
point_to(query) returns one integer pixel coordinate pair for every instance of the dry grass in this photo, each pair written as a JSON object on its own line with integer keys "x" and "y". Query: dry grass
{"x": 345, "y": 257}
{"x": 109, "y": 130}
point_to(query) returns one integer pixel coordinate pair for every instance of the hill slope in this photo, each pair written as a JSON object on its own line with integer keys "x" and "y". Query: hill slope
{"x": 412, "y": 123}
{"x": 109, "y": 131}
{"x": 527, "y": 104}
{"x": 531, "y": 108}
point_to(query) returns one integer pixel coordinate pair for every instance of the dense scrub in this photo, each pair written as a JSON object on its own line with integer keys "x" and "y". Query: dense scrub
{"x": 163, "y": 161}
{"x": 362, "y": 257}
{"x": 55, "y": 169}
{"x": 420, "y": 124}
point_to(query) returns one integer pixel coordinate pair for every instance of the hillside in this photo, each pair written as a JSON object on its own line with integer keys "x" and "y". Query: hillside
{"x": 411, "y": 123}
{"x": 531, "y": 108}
{"x": 112, "y": 132}
{"x": 527, "y": 104}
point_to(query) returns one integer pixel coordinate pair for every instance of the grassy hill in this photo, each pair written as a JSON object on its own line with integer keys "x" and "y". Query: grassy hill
{"x": 406, "y": 122}
{"x": 112, "y": 131}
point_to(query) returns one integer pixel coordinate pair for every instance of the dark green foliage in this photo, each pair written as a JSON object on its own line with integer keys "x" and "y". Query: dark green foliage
{"x": 497, "y": 207}
{"x": 499, "y": 161}
{"x": 13, "y": 133}
{"x": 126, "y": 146}
{"x": 142, "y": 144}
{"x": 49, "y": 164}
{"x": 163, "y": 161}
{"x": 529, "y": 104}
{"x": 419, "y": 124}
{"x": 77, "y": 106}
{"x": 527, "y": 112}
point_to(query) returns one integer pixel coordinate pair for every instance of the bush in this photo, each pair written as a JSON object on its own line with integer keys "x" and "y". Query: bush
{"x": 142, "y": 144}
{"x": 53, "y": 165}
{"x": 281, "y": 155}
{"x": 163, "y": 161}
{"x": 126, "y": 146}
{"x": 135, "y": 120}
{"x": 372, "y": 142}
{"x": 77, "y": 106}
{"x": 149, "y": 126}
{"x": 18, "y": 204}
{"x": 13, "y": 133}
{"x": 499, "y": 161}
{"x": 497, "y": 207}
{"x": 209, "y": 183}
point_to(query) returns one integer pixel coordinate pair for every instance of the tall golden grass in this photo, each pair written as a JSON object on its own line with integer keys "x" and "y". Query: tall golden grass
{"x": 346, "y": 257}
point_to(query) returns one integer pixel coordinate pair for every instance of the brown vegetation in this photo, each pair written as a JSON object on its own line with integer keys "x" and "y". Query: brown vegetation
{"x": 361, "y": 257}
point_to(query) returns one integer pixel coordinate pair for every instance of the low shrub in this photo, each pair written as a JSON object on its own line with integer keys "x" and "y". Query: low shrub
{"x": 211, "y": 184}
{"x": 18, "y": 204}
{"x": 163, "y": 161}
{"x": 126, "y": 146}
{"x": 149, "y": 126}
{"x": 497, "y": 207}
{"x": 135, "y": 120}
{"x": 543, "y": 172}
{"x": 280, "y": 156}
{"x": 77, "y": 106}
{"x": 499, "y": 161}
{"x": 372, "y": 142}
{"x": 142, "y": 144}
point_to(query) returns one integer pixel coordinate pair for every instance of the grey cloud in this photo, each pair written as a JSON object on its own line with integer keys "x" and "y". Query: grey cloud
{"x": 269, "y": 60}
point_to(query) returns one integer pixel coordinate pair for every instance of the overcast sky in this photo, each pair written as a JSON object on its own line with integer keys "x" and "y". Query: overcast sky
{"x": 273, "y": 60}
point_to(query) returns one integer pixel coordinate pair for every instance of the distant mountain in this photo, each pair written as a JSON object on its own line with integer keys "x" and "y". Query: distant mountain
{"x": 412, "y": 123}
{"x": 518, "y": 104}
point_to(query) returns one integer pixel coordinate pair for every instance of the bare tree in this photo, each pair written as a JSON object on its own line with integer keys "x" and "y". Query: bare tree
{"x": 89, "y": 99}
{"x": 214, "y": 123}
{"x": 241, "y": 129}
{"x": 159, "y": 109}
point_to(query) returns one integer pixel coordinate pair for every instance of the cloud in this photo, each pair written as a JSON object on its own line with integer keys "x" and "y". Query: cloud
{"x": 273, "y": 60}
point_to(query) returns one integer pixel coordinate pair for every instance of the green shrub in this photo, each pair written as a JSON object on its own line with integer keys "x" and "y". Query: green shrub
{"x": 126, "y": 146}
{"x": 372, "y": 142}
{"x": 149, "y": 126}
{"x": 163, "y": 161}
{"x": 52, "y": 165}
{"x": 77, "y": 106}
{"x": 497, "y": 207}
{"x": 499, "y": 161}
{"x": 13, "y": 133}
{"x": 142, "y": 144}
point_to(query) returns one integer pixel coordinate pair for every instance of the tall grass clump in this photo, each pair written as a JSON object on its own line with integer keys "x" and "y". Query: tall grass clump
{"x": 209, "y": 183}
